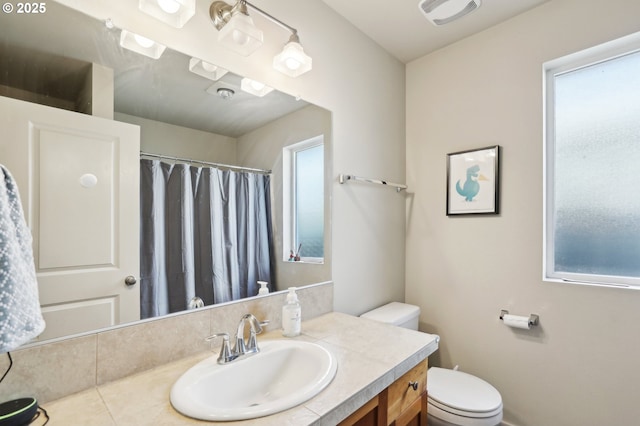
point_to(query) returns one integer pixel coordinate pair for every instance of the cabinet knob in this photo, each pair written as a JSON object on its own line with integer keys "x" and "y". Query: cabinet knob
{"x": 413, "y": 385}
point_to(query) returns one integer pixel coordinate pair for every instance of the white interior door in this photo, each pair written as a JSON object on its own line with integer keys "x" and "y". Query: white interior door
{"x": 78, "y": 177}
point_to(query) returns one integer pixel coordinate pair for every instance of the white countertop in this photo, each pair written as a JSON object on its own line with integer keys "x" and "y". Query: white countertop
{"x": 370, "y": 356}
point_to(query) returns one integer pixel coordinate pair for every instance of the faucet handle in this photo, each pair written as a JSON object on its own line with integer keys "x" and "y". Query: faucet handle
{"x": 225, "y": 351}
{"x": 225, "y": 337}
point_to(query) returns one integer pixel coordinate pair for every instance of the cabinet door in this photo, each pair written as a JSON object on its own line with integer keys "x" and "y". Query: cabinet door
{"x": 415, "y": 414}
{"x": 78, "y": 177}
{"x": 408, "y": 389}
{"x": 373, "y": 413}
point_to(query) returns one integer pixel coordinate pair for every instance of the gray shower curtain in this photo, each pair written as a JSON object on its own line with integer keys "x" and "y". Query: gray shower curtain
{"x": 204, "y": 232}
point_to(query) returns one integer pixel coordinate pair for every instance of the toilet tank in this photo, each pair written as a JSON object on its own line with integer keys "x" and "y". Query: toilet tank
{"x": 396, "y": 313}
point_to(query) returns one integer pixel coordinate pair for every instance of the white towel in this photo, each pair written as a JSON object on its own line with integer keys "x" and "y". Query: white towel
{"x": 20, "y": 316}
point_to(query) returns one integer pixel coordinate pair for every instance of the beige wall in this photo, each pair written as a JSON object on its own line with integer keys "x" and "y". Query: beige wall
{"x": 263, "y": 148}
{"x": 580, "y": 366}
{"x": 162, "y": 138}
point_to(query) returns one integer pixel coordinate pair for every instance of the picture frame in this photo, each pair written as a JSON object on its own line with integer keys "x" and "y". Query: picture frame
{"x": 473, "y": 181}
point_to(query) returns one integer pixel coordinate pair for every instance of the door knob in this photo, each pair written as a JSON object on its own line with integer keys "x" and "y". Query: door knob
{"x": 130, "y": 280}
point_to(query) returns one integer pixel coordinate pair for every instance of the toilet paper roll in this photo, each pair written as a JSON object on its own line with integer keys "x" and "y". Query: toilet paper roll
{"x": 516, "y": 321}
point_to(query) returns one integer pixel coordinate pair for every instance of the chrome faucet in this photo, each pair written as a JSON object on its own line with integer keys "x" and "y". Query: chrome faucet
{"x": 251, "y": 346}
{"x": 241, "y": 347}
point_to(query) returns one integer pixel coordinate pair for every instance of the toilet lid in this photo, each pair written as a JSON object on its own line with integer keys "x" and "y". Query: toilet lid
{"x": 394, "y": 313}
{"x": 461, "y": 391}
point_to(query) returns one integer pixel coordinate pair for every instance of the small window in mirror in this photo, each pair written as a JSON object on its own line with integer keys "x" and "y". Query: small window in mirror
{"x": 303, "y": 199}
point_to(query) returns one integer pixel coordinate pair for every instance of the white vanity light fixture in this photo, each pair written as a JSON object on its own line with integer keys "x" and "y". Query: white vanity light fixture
{"x": 237, "y": 32}
{"x": 140, "y": 44}
{"x": 172, "y": 12}
{"x": 236, "y": 28}
{"x": 292, "y": 60}
{"x": 440, "y": 12}
{"x": 254, "y": 87}
{"x": 206, "y": 69}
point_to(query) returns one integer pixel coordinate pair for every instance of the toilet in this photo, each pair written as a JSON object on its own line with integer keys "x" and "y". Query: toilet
{"x": 454, "y": 397}
{"x": 457, "y": 398}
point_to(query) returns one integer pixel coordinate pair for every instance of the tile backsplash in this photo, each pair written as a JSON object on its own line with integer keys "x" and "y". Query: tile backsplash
{"x": 49, "y": 371}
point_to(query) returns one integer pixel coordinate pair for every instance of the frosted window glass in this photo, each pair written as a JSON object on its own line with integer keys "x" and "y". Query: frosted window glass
{"x": 310, "y": 201}
{"x": 597, "y": 169}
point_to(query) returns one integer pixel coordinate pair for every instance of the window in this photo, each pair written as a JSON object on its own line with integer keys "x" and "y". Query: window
{"x": 303, "y": 200}
{"x": 592, "y": 166}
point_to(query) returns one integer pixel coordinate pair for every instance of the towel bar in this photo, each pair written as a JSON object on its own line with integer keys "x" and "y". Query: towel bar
{"x": 344, "y": 178}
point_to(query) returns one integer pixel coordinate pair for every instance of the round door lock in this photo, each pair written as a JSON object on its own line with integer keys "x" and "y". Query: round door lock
{"x": 130, "y": 280}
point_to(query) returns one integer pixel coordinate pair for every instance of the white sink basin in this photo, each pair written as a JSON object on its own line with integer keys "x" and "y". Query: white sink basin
{"x": 284, "y": 374}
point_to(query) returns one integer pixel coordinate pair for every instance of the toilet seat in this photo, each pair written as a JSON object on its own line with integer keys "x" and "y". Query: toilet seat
{"x": 461, "y": 394}
{"x": 438, "y": 417}
{"x": 462, "y": 413}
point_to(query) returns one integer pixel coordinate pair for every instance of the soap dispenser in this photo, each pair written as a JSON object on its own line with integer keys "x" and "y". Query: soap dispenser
{"x": 291, "y": 315}
{"x": 263, "y": 288}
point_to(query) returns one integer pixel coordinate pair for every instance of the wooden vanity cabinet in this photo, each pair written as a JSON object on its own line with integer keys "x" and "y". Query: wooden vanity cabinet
{"x": 398, "y": 405}
{"x": 415, "y": 414}
{"x": 408, "y": 398}
{"x": 373, "y": 413}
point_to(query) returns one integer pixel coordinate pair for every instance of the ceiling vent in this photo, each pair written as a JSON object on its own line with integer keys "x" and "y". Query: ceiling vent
{"x": 440, "y": 12}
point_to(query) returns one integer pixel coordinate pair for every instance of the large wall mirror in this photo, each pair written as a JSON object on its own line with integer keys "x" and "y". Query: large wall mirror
{"x": 65, "y": 84}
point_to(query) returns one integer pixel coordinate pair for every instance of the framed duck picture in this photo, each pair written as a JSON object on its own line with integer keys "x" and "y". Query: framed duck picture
{"x": 473, "y": 181}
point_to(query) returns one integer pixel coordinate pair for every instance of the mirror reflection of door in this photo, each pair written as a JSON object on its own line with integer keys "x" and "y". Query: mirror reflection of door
{"x": 79, "y": 181}
{"x": 71, "y": 61}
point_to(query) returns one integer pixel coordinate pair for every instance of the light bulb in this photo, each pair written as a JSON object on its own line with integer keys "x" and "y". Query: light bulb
{"x": 140, "y": 44}
{"x": 254, "y": 87}
{"x": 240, "y": 38}
{"x": 292, "y": 60}
{"x": 143, "y": 41}
{"x": 172, "y": 12}
{"x": 257, "y": 85}
{"x": 209, "y": 67}
{"x": 240, "y": 34}
{"x": 293, "y": 64}
{"x": 169, "y": 6}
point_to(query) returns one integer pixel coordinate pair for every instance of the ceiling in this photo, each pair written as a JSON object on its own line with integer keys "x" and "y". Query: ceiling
{"x": 401, "y": 29}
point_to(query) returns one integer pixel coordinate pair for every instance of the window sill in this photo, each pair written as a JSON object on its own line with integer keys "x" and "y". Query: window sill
{"x": 590, "y": 283}
{"x": 306, "y": 261}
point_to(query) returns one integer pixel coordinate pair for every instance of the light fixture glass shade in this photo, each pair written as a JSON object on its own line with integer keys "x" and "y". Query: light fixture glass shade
{"x": 254, "y": 87}
{"x": 205, "y": 69}
{"x": 141, "y": 45}
{"x": 173, "y": 12}
{"x": 292, "y": 60}
{"x": 241, "y": 35}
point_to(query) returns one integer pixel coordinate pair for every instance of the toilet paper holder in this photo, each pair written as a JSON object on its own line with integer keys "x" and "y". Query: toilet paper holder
{"x": 533, "y": 318}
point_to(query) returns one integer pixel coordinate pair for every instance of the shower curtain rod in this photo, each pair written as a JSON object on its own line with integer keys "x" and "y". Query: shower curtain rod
{"x": 191, "y": 161}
